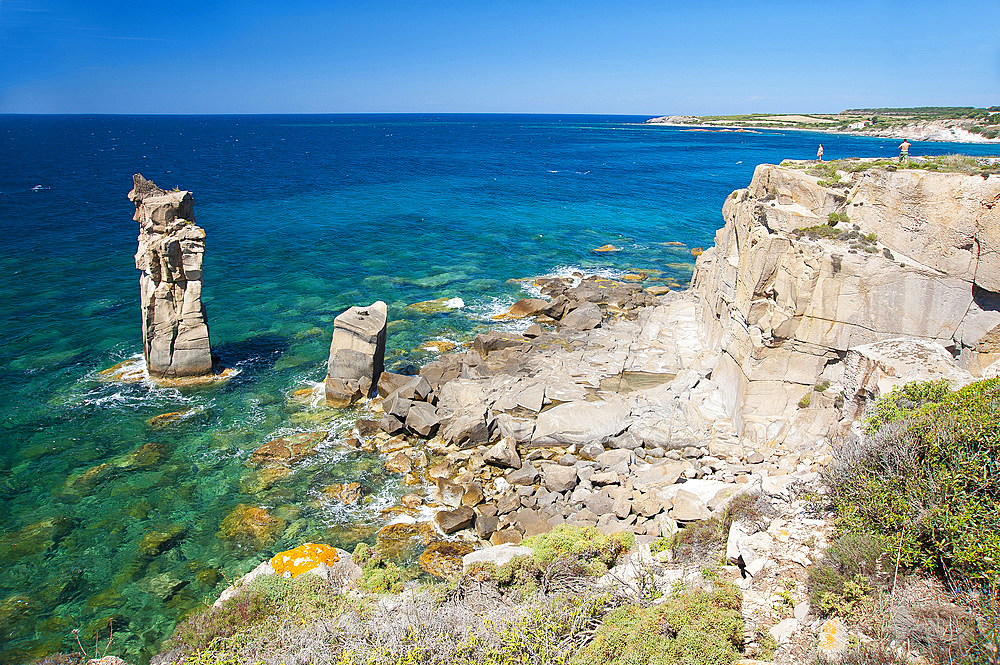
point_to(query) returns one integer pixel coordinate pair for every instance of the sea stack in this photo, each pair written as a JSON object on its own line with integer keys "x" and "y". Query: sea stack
{"x": 171, "y": 247}
{"x": 357, "y": 353}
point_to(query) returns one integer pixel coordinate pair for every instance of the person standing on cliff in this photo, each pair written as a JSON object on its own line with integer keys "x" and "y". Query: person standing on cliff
{"x": 904, "y": 151}
{"x": 819, "y": 153}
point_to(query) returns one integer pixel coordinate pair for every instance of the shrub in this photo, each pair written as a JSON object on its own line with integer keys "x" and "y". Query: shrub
{"x": 691, "y": 627}
{"x": 595, "y": 551}
{"x": 925, "y": 477}
{"x": 267, "y": 596}
{"x": 700, "y": 541}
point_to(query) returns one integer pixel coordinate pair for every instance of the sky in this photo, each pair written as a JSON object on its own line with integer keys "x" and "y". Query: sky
{"x": 502, "y": 56}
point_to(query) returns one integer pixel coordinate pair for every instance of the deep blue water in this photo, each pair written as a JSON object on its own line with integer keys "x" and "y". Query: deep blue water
{"x": 305, "y": 215}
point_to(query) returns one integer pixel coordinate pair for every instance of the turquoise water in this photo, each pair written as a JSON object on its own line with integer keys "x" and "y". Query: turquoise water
{"x": 305, "y": 215}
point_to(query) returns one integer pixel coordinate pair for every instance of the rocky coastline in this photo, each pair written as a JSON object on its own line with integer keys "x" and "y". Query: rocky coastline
{"x": 944, "y": 131}
{"x": 633, "y": 410}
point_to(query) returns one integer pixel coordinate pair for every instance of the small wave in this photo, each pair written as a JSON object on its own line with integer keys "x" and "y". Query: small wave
{"x": 454, "y": 303}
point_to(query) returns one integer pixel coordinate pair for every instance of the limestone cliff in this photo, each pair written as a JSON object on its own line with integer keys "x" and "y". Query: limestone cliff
{"x": 786, "y": 296}
{"x": 171, "y": 247}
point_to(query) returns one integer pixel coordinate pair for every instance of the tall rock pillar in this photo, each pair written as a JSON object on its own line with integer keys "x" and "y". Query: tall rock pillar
{"x": 357, "y": 353}
{"x": 171, "y": 247}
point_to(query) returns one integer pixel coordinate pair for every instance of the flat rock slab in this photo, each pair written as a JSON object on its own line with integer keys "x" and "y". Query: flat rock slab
{"x": 580, "y": 423}
{"x": 498, "y": 555}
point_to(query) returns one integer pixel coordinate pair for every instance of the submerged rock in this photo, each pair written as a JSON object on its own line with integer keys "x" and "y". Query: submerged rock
{"x": 287, "y": 450}
{"x": 394, "y": 539}
{"x": 251, "y": 526}
{"x": 346, "y": 493}
{"x": 161, "y": 539}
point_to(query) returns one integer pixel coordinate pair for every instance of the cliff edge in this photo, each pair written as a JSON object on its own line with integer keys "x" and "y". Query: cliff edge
{"x": 806, "y": 273}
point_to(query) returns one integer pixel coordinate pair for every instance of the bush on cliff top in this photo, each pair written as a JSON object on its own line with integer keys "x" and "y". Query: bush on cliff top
{"x": 925, "y": 478}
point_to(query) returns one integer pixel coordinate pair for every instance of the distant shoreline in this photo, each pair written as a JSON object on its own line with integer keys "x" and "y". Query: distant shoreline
{"x": 914, "y": 127}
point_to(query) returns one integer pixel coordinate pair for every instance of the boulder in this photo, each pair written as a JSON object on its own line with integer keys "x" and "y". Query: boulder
{"x": 526, "y": 475}
{"x": 506, "y": 535}
{"x": 357, "y": 353}
{"x": 600, "y": 503}
{"x": 518, "y": 429}
{"x": 833, "y": 639}
{"x": 523, "y": 308}
{"x": 503, "y": 454}
{"x": 390, "y": 424}
{"x": 465, "y": 429}
{"x": 169, "y": 257}
{"x": 390, "y": 382}
{"x": 444, "y": 558}
{"x": 450, "y": 521}
{"x": 530, "y": 522}
{"x": 366, "y": 427}
{"x": 422, "y": 419}
{"x": 688, "y": 507}
{"x": 416, "y": 389}
{"x": 399, "y": 463}
{"x": 498, "y": 555}
{"x": 303, "y": 559}
{"x": 398, "y": 406}
{"x": 580, "y": 423}
{"x": 486, "y": 526}
{"x": 585, "y": 317}
{"x": 559, "y": 478}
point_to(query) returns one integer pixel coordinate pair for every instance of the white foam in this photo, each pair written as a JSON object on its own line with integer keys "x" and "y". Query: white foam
{"x": 454, "y": 303}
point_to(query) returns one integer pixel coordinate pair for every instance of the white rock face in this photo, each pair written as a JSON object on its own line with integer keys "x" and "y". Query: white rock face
{"x": 171, "y": 247}
{"x": 786, "y": 310}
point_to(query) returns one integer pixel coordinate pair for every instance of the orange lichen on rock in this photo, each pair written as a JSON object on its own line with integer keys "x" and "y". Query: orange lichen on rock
{"x": 607, "y": 248}
{"x": 697, "y": 251}
{"x": 302, "y": 559}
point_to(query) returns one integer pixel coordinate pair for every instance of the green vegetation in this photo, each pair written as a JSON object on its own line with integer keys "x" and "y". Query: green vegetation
{"x": 596, "y": 551}
{"x": 837, "y": 217}
{"x": 855, "y": 239}
{"x": 696, "y": 627}
{"x": 827, "y": 171}
{"x": 543, "y": 609}
{"x": 266, "y": 599}
{"x": 377, "y": 575}
{"x": 920, "y": 490}
{"x": 927, "y": 478}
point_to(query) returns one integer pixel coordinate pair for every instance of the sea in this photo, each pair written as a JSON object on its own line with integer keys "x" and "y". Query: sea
{"x": 111, "y": 518}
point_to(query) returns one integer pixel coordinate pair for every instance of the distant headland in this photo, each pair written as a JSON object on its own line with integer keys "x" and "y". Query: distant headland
{"x": 963, "y": 124}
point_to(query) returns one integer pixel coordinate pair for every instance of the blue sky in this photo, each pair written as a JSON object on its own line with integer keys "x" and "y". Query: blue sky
{"x": 96, "y": 56}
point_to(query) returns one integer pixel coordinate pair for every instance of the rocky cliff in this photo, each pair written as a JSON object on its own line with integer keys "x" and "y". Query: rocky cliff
{"x": 171, "y": 247}
{"x": 806, "y": 272}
